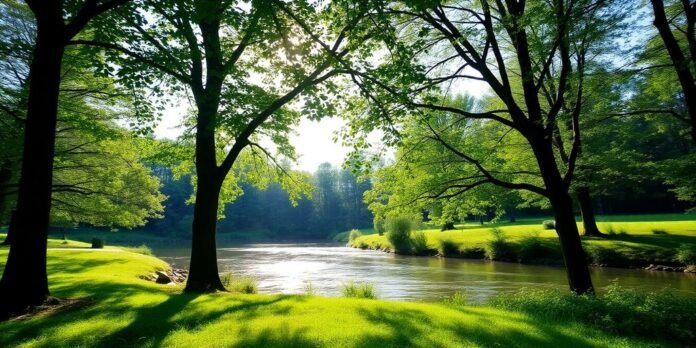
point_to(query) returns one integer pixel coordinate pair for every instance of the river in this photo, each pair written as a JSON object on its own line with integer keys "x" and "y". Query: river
{"x": 288, "y": 268}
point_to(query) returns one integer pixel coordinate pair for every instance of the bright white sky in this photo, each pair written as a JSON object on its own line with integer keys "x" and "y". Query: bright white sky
{"x": 313, "y": 141}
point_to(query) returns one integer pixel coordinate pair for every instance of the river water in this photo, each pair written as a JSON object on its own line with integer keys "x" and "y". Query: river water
{"x": 288, "y": 268}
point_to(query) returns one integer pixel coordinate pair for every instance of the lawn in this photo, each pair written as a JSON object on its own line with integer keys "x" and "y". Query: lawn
{"x": 630, "y": 240}
{"x": 123, "y": 310}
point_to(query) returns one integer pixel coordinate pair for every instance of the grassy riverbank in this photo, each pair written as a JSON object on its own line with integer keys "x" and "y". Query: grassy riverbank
{"x": 630, "y": 241}
{"x": 118, "y": 308}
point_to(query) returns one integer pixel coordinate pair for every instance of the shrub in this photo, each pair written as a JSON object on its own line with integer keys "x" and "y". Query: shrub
{"x": 499, "y": 248}
{"x": 447, "y": 248}
{"x": 239, "y": 284}
{"x": 534, "y": 249}
{"x": 459, "y": 298}
{"x": 379, "y": 225}
{"x": 549, "y": 224}
{"x": 447, "y": 226}
{"x": 686, "y": 254}
{"x": 354, "y": 290}
{"x": 353, "y": 235}
{"x": 419, "y": 243}
{"x": 619, "y": 311}
{"x": 97, "y": 243}
{"x": 606, "y": 256}
{"x": 659, "y": 231}
{"x": 472, "y": 253}
{"x": 399, "y": 234}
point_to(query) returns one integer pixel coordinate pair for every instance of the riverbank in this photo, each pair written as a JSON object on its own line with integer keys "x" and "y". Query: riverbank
{"x": 667, "y": 245}
{"x": 114, "y": 306}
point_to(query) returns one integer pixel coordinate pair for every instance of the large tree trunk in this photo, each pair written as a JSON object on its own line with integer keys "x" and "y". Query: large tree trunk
{"x": 681, "y": 64}
{"x": 577, "y": 271}
{"x": 589, "y": 224}
{"x": 24, "y": 282}
{"x": 203, "y": 269}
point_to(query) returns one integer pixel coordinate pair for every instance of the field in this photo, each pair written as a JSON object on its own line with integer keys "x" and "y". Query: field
{"x": 115, "y": 307}
{"x": 630, "y": 241}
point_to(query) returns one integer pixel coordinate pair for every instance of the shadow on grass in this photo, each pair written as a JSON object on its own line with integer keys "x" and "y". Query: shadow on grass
{"x": 411, "y": 328}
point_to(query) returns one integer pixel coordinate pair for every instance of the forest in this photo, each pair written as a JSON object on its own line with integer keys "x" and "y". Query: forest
{"x": 493, "y": 172}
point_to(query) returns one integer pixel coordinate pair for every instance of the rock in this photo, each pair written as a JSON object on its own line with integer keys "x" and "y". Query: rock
{"x": 690, "y": 269}
{"x": 162, "y": 278}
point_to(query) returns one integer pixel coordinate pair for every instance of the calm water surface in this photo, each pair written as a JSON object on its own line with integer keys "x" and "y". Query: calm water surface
{"x": 288, "y": 268}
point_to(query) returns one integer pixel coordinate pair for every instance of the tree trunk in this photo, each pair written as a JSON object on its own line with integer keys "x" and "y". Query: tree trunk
{"x": 203, "y": 269}
{"x": 681, "y": 65}
{"x": 589, "y": 224}
{"x": 577, "y": 271}
{"x": 24, "y": 282}
{"x": 573, "y": 255}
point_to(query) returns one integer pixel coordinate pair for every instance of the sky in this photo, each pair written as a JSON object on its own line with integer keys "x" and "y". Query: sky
{"x": 313, "y": 141}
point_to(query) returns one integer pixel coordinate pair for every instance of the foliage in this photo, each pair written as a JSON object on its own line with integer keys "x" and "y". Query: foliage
{"x": 638, "y": 247}
{"x": 399, "y": 234}
{"x": 549, "y": 224}
{"x": 355, "y": 290}
{"x": 419, "y": 243}
{"x": 239, "y": 284}
{"x": 97, "y": 243}
{"x": 459, "y": 298}
{"x": 499, "y": 248}
{"x": 447, "y": 248}
{"x": 654, "y": 315}
{"x": 354, "y": 234}
{"x": 686, "y": 254}
{"x": 378, "y": 224}
{"x": 535, "y": 248}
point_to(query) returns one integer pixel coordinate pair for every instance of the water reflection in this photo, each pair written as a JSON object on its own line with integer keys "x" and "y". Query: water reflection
{"x": 288, "y": 268}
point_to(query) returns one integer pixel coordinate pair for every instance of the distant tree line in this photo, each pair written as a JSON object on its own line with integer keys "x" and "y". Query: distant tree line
{"x": 336, "y": 205}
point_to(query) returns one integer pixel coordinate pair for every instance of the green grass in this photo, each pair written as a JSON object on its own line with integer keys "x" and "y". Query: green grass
{"x": 644, "y": 239}
{"x": 124, "y": 310}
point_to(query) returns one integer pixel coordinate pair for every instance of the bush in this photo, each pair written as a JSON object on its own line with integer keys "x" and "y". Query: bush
{"x": 379, "y": 225}
{"x": 549, "y": 224}
{"x": 97, "y": 243}
{"x": 447, "y": 226}
{"x": 606, "y": 256}
{"x": 619, "y": 311}
{"x": 686, "y": 254}
{"x": 472, "y": 253}
{"x": 659, "y": 231}
{"x": 366, "y": 290}
{"x": 419, "y": 243}
{"x": 353, "y": 235}
{"x": 459, "y": 298}
{"x": 447, "y": 248}
{"x": 239, "y": 284}
{"x": 534, "y": 249}
{"x": 498, "y": 248}
{"x": 399, "y": 234}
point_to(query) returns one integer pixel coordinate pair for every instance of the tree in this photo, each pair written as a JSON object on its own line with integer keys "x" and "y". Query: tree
{"x": 24, "y": 282}
{"x": 540, "y": 49}
{"x": 680, "y": 17}
{"x": 242, "y": 63}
